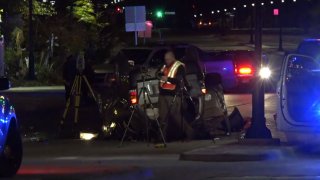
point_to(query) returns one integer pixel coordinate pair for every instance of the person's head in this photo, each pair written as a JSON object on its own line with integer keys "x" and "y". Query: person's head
{"x": 169, "y": 57}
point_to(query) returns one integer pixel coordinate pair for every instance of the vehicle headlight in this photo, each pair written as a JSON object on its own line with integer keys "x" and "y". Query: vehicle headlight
{"x": 265, "y": 73}
{"x": 87, "y": 136}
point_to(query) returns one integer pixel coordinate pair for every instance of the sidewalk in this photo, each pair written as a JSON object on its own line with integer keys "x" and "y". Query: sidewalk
{"x": 259, "y": 150}
{"x": 36, "y": 89}
{"x": 242, "y": 150}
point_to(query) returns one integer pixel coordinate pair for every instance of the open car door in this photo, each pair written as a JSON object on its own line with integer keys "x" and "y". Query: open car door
{"x": 299, "y": 95}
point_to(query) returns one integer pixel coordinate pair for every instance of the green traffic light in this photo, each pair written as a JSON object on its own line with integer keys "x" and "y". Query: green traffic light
{"x": 159, "y": 14}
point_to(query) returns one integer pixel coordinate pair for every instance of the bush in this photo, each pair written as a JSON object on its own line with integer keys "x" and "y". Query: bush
{"x": 47, "y": 75}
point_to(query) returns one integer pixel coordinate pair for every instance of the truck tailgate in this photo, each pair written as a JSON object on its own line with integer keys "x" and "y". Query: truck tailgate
{"x": 225, "y": 68}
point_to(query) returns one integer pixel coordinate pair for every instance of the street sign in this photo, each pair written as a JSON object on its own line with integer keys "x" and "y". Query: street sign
{"x": 135, "y": 18}
{"x": 276, "y": 12}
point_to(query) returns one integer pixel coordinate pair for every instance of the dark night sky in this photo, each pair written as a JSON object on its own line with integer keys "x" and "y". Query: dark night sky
{"x": 201, "y": 5}
{"x": 184, "y": 9}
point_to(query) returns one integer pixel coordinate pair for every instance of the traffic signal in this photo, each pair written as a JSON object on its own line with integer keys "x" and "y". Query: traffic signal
{"x": 119, "y": 10}
{"x": 159, "y": 14}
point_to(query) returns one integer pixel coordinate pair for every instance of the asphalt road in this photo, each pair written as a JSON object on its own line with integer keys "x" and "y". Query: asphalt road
{"x": 165, "y": 167}
{"x": 104, "y": 160}
{"x": 71, "y": 159}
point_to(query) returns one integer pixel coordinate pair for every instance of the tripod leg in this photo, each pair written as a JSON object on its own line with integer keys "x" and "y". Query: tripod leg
{"x": 77, "y": 101}
{"x": 142, "y": 93}
{"x": 90, "y": 88}
{"x": 126, "y": 130}
{"x": 145, "y": 92}
{"x": 182, "y": 120}
{"x": 156, "y": 119}
{"x": 72, "y": 92}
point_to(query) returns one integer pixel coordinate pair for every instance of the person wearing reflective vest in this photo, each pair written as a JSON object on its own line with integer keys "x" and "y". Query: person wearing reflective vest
{"x": 172, "y": 81}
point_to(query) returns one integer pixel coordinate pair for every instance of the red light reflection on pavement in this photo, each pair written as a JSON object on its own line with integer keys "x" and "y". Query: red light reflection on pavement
{"x": 67, "y": 170}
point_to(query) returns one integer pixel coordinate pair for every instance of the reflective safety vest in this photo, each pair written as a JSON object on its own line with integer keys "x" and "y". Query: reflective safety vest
{"x": 170, "y": 72}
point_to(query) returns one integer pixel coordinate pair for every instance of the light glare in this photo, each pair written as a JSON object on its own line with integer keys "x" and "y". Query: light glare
{"x": 265, "y": 73}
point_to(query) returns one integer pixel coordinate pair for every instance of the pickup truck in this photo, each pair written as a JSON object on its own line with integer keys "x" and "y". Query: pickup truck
{"x": 236, "y": 68}
{"x": 139, "y": 65}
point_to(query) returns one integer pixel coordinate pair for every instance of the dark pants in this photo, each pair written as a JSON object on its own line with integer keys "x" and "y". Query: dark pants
{"x": 170, "y": 113}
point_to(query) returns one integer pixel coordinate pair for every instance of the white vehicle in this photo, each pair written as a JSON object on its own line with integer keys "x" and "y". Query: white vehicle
{"x": 298, "y": 106}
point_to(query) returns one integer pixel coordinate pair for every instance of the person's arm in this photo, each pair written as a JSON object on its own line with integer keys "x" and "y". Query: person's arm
{"x": 181, "y": 73}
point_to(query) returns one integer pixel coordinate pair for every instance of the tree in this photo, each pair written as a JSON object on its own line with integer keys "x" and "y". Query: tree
{"x": 83, "y": 10}
{"x": 78, "y": 25}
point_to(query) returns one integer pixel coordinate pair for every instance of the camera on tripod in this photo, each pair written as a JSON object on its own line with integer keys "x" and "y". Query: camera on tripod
{"x": 81, "y": 63}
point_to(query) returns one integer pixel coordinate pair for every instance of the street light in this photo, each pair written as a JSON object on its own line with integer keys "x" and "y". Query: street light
{"x": 252, "y": 26}
{"x": 280, "y": 28}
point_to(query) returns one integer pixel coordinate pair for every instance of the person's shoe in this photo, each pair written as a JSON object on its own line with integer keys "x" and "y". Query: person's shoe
{"x": 160, "y": 145}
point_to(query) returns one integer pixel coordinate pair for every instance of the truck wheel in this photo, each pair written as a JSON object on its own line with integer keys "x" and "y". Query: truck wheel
{"x": 11, "y": 157}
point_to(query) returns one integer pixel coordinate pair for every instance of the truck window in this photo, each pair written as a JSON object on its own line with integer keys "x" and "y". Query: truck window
{"x": 192, "y": 68}
{"x": 157, "y": 59}
{"x": 139, "y": 56}
{"x": 180, "y": 53}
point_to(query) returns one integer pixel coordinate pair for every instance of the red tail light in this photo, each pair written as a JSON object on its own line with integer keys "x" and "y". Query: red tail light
{"x": 133, "y": 97}
{"x": 244, "y": 71}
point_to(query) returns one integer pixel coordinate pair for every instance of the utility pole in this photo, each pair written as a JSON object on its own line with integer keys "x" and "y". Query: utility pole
{"x": 280, "y": 29}
{"x": 252, "y": 26}
{"x": 258, "y": 129}
{"x": 31, "y": 48}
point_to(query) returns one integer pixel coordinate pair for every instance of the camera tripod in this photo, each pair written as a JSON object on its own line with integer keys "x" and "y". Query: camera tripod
{"x": 76, "y": 93}
{"x": 144, "y": 92}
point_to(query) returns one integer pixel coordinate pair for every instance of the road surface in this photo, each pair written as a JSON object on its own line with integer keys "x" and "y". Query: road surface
{"x": 105, "y": 160}
{"x": 57, "y": 159}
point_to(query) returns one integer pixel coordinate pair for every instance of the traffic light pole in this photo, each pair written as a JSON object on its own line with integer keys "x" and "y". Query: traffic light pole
{"x": 258, "y": 129}
{"x": 31, "y": 55}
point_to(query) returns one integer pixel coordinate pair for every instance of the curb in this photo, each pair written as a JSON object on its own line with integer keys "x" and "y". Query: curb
{"x": 30, "y": 90}
{"x": 235, "y": 153}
